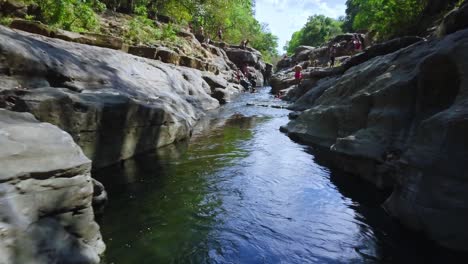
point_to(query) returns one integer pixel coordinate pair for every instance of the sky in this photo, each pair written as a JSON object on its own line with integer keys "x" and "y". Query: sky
{"x": 284, "y": 17}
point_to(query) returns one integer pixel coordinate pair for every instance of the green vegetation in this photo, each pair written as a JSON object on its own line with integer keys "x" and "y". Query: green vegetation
{"x": 6, "y": 21}
{"x": 75, "y": 15}
{"x": 386, "y": 18}
{"x": 234, "y": 17}
{"x": 315, "y": 32}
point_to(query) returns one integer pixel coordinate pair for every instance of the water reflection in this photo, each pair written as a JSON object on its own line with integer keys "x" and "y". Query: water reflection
{"x": 242, "y": 192}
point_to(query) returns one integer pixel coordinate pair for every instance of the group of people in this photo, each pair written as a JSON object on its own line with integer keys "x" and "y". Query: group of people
{"x": 203, "y": 37}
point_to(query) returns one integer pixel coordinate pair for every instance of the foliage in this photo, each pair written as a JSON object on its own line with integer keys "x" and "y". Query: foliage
{"x": 75, "y": 15}
{"x": 6, "y": 21}
{"x": 234, "y": 17}
{"x": 315, "y": 32}
{"x": 141, "y": 30}
{"x": 386, "y": 18}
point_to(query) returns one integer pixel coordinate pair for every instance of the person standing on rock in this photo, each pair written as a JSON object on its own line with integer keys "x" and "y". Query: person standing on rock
{"x": 332, "y": 52}
{"x": 244, "y": 43}
{"x": 298, "y": 73}
{"x": 220, "y": 34}
{"x": 356, "y": 42}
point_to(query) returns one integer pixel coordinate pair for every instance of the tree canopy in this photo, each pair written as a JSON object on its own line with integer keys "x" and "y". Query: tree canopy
{"x": 386, "y": 18}
{"x": 315, "y": 32}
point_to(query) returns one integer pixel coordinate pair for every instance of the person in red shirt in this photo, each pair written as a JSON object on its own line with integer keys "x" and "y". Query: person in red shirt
{"x": 298, "y": 73}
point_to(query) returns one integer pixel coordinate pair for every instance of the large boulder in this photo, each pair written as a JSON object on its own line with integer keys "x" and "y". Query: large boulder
{"x": 400, "y": 121}
{"x": 114, "y": 105}
{"x": 46, "y": 195}
{"x": 242, "y": 56}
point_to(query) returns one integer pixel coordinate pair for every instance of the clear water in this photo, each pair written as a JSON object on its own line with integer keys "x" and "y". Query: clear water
{"x": 242, "y": 192}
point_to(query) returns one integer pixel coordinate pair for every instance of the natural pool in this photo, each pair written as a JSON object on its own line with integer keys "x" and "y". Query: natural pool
{"x": 242, "y": 192}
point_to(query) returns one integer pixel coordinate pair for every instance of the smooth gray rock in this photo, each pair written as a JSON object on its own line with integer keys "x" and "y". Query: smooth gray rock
{"x": 400, "y": 121}
{"x": 45, "y": 195}
{"x": 115, "y": 105}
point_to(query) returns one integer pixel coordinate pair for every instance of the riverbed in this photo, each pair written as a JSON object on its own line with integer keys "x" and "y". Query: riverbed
{"x": 240, "y": 191}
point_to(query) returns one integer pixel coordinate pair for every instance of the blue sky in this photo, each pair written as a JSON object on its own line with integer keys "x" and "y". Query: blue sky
{"x": 284, "y": 17}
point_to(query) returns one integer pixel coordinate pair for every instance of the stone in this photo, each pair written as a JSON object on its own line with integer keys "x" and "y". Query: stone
{"x": 241, "y": 57}
{"x": 399, "y": 121}
{"x": 142, "y": 51}
{"x": 191, "y": 62}
{"x": 89, "y": 39}
{"x": 32, "y": 27}
{"x": 167, "y": 55}
{"x": 46, "y": 193}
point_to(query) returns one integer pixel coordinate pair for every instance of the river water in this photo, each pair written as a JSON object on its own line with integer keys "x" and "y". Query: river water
{"x": 242, "y": 192}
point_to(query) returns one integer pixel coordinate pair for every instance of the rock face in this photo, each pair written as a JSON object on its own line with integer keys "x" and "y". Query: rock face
{"x": 455, "y": 20}
{"x": 400, "y": 120}
{"x": 285, "y": 78}
{"x": 46, "y": 193}
{"x": 250, "y": 58}
{"x": 114, "y": 105}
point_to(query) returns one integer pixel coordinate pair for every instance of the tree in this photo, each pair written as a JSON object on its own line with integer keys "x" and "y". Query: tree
{"x": 315, "y": 32}
{"x": 386, "y": 18}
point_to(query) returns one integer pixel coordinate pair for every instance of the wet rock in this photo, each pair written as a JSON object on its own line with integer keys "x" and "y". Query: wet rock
{"x": 46, "y": 214}
{"x": 399, "y": 121}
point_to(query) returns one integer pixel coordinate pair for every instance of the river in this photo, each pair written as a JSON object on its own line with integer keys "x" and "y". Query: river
{"x": 240, "y": 191}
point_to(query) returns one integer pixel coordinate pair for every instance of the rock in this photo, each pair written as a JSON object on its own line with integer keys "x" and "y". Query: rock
{"x": 283, "y": 79}
{"x": 102, "y": 41}
{"x": 32, "y": 27}
{"x": 285, "y": 62}
{"x": 46, "y": 213}
{"x": 241, "y": 57}
{"x": 399, "y": 121}
{"x": 167, "y": 55}
{"x": 191, "y": 62}
{"x": 114, "y": 105}
{"x": 99, "y": 198}
{"x": 142, "y": 51}
{"x": 90, "y": 39}
{"x": 215, "y": 81}
{"x": 455, "y": 20}
{"x": 379, "y": 50}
